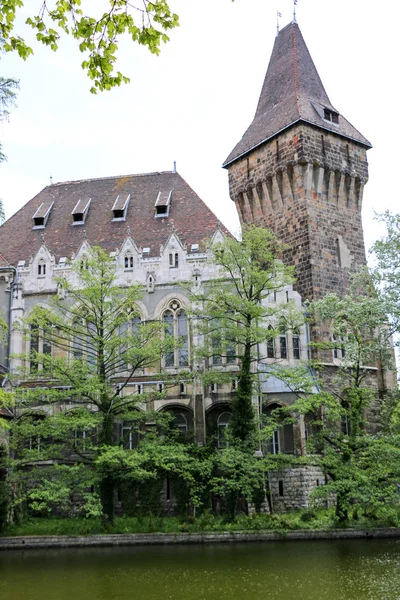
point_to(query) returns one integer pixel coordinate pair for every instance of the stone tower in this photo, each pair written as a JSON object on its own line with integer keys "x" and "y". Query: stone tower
{"x": 300, "y": 169}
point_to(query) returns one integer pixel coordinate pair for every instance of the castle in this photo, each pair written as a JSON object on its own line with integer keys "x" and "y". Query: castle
{"x": 299, "y": 169}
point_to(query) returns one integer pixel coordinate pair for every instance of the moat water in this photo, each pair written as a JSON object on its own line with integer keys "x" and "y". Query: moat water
{"x": 317, "y": 570}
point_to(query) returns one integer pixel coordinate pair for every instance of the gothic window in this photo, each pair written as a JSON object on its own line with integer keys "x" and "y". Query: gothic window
{"x": 216, "y": 343}
{"x": 84, "y": 264}
{"x": 339, "y": 350}
{"x": 282, "y": 341}
{"x": 282, "y": 439}
{"x": 270, "y": 342}
{"x": 222, "y": 424}
{"x": 223, "y": 346}
{"x": 129, "y": 338}
{"x": 128, "y": 261}
{"x": 275, "y": 443}
{"x": 177, "y": 328}
{"x": 41, "y": 268}
{"x": 173, "y": 260}
{"x": 39, "y": 349}
{"x": 180, "y": 422}
{"x": 296, "y": 343}
{"x": 84, "y": 346}
{"x": 80, "y": 438}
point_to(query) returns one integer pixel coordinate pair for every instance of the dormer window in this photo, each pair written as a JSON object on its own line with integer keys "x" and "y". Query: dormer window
{"x": 80, "y": 211}
{"x": 331, "y": 115}
{"x": 41, "y": 268}
{"x": 162, "y": 204}
{"x": 128, "y": 261}
{"x": 41, "y": 215}
{"x": 120, "y": 208}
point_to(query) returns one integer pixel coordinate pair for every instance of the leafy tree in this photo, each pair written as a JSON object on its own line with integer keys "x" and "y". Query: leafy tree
{"x": 233, "y": 314}
{"x": 386, "y": 270}
{"x": 346, "y": 436}
{"x": 97, "y": 30}
{"x": 74, "y": 410}
{"x": 8, "y": 90}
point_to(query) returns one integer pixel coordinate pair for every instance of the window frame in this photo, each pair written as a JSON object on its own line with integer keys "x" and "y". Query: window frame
{"x": 173, "y": 359}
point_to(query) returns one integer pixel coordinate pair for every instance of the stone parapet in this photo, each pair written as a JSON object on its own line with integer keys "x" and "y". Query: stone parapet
{"x": 156, "y": 539}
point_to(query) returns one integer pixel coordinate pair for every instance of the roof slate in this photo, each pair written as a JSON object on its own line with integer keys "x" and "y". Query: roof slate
{"x": 190, "y": 218}
{"x": 290, "y": 88}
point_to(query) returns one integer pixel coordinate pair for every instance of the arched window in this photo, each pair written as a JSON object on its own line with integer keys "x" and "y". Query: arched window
{"x": 128, "y": 261}
{"x": 39, "y": 348}
{"x": 84, "y": 342}
{"x": 270, "y": 342}
{"x": 41, "y": 268}
{"x": 222, "y": 424}
{"x": 84, "y": 264}
{"x": 129, "y": 339}
{"x": 296, "y": 343}
{"x": 223, "y": 344}
{"x": 180, "y": 422}
{"x": 282, "y": 340}
{"x": 176, "y": 326}
{"x": 282, "y": 439}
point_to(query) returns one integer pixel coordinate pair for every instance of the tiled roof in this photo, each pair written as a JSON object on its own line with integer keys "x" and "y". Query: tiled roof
{"x": 292, "y": 92}
{"x": 191, "y": 219}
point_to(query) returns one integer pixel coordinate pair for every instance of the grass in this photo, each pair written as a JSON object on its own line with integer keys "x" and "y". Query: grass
{"x": 305, "y": 519}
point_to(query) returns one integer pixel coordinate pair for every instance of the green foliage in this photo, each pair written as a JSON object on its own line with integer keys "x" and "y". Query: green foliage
{"x": 233, "y": 313}
{"x": 310, "y": 519}
{"x": 360, "y": 458}
{"x": 97, "y": 33}
{"x": 75, "y": 414}
{"x": 8, "y": 92}
{"x": 358, "y": 330}
{"x": 386, "y": 270}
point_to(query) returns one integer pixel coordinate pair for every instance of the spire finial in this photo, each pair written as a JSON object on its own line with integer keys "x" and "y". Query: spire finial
{"x": 129, "y": 231}
{"x": 278, "y": 14}
{"x": 294, "y": 10}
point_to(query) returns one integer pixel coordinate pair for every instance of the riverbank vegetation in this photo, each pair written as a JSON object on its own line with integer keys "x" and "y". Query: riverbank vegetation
{"x": 309, "y": 519}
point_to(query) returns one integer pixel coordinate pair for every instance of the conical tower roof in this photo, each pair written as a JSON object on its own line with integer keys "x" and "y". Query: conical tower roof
{"x": 292, "y": 92}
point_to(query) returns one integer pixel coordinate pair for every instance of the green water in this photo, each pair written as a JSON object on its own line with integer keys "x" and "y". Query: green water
{"x": 335, "y": 570}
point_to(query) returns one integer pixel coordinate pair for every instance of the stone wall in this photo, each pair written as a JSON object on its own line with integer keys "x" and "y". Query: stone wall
{"x": 291, "y": 488}
{"x": 157, "y": 539}
{"x": 307, "y": 185}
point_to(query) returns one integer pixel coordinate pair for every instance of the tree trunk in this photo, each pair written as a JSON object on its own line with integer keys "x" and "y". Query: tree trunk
{"x": 107, "y": 483}
{"x": 242, "y": 424}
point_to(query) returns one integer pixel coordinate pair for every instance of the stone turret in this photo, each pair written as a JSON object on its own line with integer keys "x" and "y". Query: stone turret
{"x": 300, "y": 169}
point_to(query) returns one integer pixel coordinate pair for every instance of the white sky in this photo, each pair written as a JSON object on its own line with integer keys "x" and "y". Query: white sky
{"x": 193, "y": 103}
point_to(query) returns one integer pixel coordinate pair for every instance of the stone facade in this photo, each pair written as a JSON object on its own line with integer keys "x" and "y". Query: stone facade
{"x": 307, "y": 186}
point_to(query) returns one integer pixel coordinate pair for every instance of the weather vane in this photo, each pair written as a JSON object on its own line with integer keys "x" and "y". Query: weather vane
{"x": 294, "y": 10}
{"x": 278, "y": 15}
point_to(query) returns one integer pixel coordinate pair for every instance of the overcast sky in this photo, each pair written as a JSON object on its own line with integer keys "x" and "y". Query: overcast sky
{"x": 193, "y": 103}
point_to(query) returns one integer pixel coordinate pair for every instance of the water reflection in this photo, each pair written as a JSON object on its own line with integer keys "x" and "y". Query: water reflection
{"x": 335, "y": 570}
